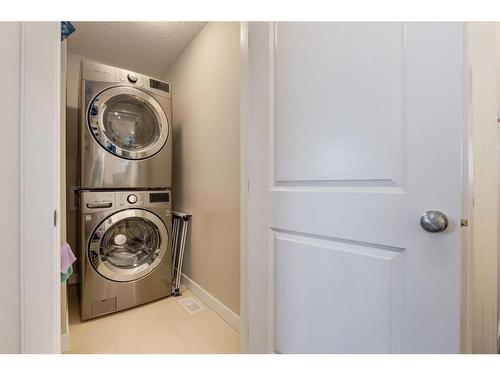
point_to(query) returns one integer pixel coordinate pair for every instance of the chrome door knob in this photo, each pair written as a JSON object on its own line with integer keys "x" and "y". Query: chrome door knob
{"x": 434, "y": 221}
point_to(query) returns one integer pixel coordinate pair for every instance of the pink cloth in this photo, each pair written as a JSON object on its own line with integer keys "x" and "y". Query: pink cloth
{"x": 67, "y": 257}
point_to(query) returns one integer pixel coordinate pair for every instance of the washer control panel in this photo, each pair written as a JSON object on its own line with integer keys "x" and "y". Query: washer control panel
{"x": 93, "y": 201}
{"x": 143, "y": 198}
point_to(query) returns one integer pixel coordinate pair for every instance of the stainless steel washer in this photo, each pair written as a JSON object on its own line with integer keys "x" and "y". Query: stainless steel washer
{"x": 125, "y": 132}
{"x": 126, "y": 249}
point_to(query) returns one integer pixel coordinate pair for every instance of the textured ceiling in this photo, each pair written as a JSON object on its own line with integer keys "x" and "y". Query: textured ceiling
{"x": 144, "y": 47}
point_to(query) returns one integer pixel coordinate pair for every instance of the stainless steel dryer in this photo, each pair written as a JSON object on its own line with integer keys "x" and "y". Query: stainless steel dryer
{"x": 125, "y": 132}
{"x": 126, "y": 253}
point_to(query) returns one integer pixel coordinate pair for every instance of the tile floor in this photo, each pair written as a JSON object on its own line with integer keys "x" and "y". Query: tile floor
{"x": 162, "y": 326}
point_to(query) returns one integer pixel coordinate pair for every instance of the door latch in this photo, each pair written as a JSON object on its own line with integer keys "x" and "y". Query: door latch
{"x": 464, "y": 222}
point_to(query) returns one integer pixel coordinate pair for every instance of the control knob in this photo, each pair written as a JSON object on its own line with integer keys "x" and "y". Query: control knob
{"x": 132, "y": 77}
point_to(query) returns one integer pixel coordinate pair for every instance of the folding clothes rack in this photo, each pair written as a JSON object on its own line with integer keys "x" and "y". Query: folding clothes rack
{"x": 180, "y": 228}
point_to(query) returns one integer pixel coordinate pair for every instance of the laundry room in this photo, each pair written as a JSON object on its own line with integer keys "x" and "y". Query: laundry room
{"x": 150, "y": 207}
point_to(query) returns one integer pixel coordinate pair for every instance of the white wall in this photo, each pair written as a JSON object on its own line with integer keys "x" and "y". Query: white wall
{"x": 206, "y": 176}
{"x": 10, "y": 50}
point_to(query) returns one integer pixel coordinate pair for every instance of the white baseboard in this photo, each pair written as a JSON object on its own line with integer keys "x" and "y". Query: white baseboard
{"x": 217, "y": 306}
{"x": 64, "y": 342}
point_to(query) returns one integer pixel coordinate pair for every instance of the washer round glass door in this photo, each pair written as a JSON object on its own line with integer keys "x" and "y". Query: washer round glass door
{"x": 128, "y": 245}
{"x": 128, "y": 122}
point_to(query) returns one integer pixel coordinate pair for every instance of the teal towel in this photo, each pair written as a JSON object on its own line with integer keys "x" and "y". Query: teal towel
{"x": 65, "y": 276}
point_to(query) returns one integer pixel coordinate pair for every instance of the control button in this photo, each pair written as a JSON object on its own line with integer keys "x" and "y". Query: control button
{"x": 132, "y": 77}
{"x": 132, "y": 198}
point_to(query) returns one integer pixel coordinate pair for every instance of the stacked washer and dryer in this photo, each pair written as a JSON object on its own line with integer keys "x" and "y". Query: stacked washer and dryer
{"x": 125, "y": 197}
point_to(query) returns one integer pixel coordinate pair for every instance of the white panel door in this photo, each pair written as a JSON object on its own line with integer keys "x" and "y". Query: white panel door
{"x": 354, "y": 132}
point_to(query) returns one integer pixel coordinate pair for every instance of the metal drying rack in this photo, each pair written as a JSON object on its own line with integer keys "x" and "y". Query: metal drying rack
{"x": 179, "y": 235}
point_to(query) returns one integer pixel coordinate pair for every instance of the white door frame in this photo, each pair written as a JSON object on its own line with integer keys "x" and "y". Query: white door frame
{"x": 40, "y": 187}
{"x": 480, "y": 193}
{"x": 244, "y": 182}
{"x": 470, "y": 301}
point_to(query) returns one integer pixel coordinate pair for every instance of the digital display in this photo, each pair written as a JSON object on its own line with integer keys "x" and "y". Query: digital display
{"x": 159, "y": 85}
{"x": 159, "y": 197}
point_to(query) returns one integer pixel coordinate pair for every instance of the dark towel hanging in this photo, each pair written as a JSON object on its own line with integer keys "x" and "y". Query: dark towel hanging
{"x": 67, "y": 29}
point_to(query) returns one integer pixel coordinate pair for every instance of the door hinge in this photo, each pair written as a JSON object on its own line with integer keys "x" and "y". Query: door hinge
{"x": 464, "y": 222}
{"x": 55, "y": 218}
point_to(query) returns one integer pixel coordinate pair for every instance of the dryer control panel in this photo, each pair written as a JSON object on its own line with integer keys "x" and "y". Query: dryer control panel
{"x": 94, "y": 71}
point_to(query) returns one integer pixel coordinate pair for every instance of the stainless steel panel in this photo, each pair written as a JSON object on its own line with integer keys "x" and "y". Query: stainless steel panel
{"x": 94, "y": 287}
{"x": 100, "y": 169}
{"x": 90, "y": 200}
{"x": 103, "y": 307}
{"x": 94, "y": 71}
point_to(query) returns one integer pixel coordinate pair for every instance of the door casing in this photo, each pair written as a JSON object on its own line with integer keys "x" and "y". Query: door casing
{"x": 40, "y": 187}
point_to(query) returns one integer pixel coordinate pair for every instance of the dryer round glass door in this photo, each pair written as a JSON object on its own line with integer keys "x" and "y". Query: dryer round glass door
{"x": 128, "y": 245}
{"x": 128, "y": 122}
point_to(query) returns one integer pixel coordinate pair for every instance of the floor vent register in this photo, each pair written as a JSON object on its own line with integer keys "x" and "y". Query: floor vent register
{"x": 191, "y": 305}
